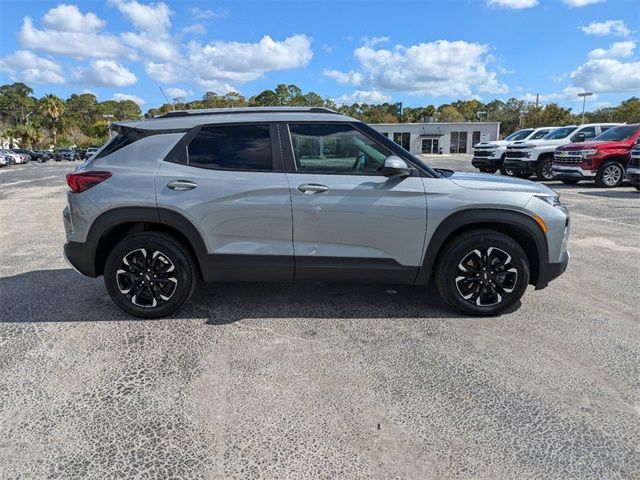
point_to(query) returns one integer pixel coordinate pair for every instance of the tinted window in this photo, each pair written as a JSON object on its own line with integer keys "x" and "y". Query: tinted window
{"x": 559, "y": 133}
{"x": 539, "y": 134}
{"x": 589, "y": 133}
{"x": 617, "y": 134}
{"x": 233, "y": 147}
{"x": 335, "y": 148}
{"x": 520, "y": 134}
{"x": 116, "y": 143}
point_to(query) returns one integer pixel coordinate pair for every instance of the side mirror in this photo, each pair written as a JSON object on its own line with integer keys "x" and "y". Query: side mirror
{"x": 394, "y": 166}
{"x": 580, "y": 137}
{"x": 637, "y": 142}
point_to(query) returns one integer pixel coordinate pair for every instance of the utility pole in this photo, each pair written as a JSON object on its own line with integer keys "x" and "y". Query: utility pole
{"x": 584, "y": 96}
{"x": 537, "y": 99}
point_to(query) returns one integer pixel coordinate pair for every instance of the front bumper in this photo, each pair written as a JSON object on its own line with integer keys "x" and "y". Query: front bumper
{"x": 486, "y": 162}
{"x": 519, "y": 165}
{"x": 551, "y": 271}
{"x": 568, "y": 172}
{"x": 633, "y": 174}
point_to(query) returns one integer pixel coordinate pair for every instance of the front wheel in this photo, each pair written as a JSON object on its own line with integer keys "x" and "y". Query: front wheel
{"x": 610, "y": 174}
{"x": 149, "y": 275}
{"x": 544, "y": 171}
{"x": 482, "y": 272}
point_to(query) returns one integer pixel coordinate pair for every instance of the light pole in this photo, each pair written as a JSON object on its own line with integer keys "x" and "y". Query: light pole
{"x": 584, "y": 96}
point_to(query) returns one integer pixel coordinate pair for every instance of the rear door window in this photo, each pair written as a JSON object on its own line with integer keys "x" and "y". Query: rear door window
{"x": 231, "y": 147}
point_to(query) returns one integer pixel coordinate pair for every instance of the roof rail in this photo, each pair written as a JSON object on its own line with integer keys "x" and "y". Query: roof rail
{"x": 227, "y": 111}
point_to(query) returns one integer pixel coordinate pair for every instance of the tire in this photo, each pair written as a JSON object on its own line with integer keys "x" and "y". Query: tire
{"x": 504, "y": 171}
{"x": 150, "y": 249}
{"x": 570, "y": 181}
{"x": 637, "y": 187}
{"x": 544, "y": 172}
{"x": 493, "y": 298}
{"x": 610, "y": 174}
{"x": 488, "y": 170}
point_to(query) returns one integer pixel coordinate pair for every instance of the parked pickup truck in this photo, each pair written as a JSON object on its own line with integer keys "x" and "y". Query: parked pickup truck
{"x": 603, "y": 159}
{"x": 529, "y": 157}
{"x": 633, "y": 170}
{"x": 489, "y": 156}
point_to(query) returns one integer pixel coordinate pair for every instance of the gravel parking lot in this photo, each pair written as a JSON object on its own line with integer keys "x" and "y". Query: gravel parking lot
{"x": 318, "y": 381}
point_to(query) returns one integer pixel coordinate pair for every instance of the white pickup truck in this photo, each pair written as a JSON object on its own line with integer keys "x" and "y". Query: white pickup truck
{"x": 489, "y": 156}
{"x": 524, "y": 158}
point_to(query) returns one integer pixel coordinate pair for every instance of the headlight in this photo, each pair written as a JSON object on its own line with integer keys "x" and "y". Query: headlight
{"x": 552, "y": 200}
{"x": 588, "y": 153}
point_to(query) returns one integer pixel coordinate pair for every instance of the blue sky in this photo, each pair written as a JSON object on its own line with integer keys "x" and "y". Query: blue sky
{"x": 415, "y": 52}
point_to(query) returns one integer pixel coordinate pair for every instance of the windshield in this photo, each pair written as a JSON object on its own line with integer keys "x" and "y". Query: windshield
{"x": 539, "y": 134}
{"x": 520, "y": 134}
{"x": 560, "y": 133}
{"x": 618, "y": 134}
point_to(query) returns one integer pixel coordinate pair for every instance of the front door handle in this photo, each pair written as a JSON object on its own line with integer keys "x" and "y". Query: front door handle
{"x": 311, "y": 188}
{"x": 181, "y": 185}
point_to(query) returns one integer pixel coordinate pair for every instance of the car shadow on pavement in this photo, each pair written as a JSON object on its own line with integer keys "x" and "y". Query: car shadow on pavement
{"x": 614, "y": 194}
{"x": 63, "y": 295}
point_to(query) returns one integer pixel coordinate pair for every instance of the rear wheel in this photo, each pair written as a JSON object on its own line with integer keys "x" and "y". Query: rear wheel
{"x": 544, "y": 171}
{"x": 149, "y": 275}
{"x": 570, "y": 181}
{"x": 610, "y": 174}
{"x": 482, "y": 272}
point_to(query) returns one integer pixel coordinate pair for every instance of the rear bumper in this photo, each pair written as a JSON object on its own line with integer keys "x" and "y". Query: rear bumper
{"x": 551, "y": 271}
{"x": 81, "y": 256}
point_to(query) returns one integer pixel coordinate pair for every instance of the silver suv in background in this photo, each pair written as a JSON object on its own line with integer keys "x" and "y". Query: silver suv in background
{"x": 488, "y": 157}
{"x": 303, "y": 194}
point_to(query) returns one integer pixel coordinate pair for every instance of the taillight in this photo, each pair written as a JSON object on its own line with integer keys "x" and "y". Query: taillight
{"x": 81, "y": 181}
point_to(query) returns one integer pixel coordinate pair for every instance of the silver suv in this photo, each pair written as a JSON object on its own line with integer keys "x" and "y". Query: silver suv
{"x": 304, "y": 194}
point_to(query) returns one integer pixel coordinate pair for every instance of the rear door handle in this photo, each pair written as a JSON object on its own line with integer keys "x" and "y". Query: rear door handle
{"x": 311, "y": 188}
{"x": 181, "y": 185}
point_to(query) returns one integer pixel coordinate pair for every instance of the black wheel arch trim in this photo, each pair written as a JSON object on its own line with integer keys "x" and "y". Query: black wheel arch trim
{"x": 485, "y": 219}
{"x": 86, "y": 257}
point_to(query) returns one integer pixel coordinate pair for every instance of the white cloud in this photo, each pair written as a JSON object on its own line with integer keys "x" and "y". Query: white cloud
{"x": 174, "y": 92}
{"x": 222, "y": 61}
{"x": 125, "y": 96}
{"x": 195, "y": 29}
{"x": 25, "y": 66}
{"x": 513, "y": 4}
{"x": 427, "y": 69}
{"x": 607, "y": 76}
{"x": 161, "y": 47}
{"x": 165, "y": 72}
{"x": 351, "y": 77}
{"x": 610, "y": 27}
{"x": 373, "y": 41}
{"x": 617, "y": 50}
{"x": 208, "y": 13}
{"x": 154, "y": 18}
{"x": 364, "y": 96}
{"x": 580, "y": 3}
{"x": 68, "y": 18}
{"x": 105, "y": 73}
{"x": 71, "y": 43}
{"x": 569, "y": 94}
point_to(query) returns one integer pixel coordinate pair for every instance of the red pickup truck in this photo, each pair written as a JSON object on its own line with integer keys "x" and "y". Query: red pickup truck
{"x": 603, "y": 159}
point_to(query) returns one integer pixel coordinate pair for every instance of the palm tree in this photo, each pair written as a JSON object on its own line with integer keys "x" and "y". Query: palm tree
{"x": 52, "y": 107}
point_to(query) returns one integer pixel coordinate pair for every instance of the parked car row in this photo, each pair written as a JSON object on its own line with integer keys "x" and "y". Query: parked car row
{"x": 21, "y": 156}
{"x": 595, "y": 151}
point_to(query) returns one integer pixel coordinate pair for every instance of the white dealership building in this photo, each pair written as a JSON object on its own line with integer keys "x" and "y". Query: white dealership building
{"x": 428, "y": 138}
